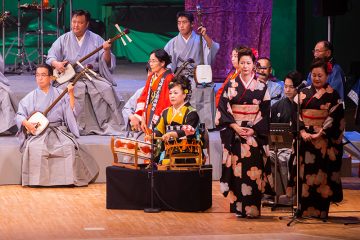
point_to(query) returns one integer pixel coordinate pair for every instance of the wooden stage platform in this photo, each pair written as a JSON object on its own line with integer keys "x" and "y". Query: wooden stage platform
{"x": 80, "y": 213}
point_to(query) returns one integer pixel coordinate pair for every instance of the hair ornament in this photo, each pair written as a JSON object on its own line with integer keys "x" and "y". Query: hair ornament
{"x": 255, "y": 52}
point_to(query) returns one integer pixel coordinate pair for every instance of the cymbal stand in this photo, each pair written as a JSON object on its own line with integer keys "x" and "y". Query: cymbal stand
{"x": 21, "y": 54}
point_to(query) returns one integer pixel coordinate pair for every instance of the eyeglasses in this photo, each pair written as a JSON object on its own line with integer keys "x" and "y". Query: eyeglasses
{"x": 262, "y": 68}
{"x": 41, "y": 75}
{"x": 318, "y": 50}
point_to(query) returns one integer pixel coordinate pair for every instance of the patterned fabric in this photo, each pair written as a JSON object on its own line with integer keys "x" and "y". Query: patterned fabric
{"x": 225, "y": 21}
{"x": 336, "y": 79}
{"x": 154, "y": 99}
{"x": 230, "y": 76}
{"x": 246, "y": 171}
{"x": 320, "y": 158}
{"x": 170, "y": 122}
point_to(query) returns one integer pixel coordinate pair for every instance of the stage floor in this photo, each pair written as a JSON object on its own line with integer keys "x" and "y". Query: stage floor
{"x": 80, "y": 213}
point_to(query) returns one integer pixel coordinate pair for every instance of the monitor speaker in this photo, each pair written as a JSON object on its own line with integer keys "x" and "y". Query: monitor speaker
{"x": 330, "y": 7}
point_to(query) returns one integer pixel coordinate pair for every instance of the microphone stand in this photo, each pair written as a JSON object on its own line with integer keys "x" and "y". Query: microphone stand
{"x": 296, "y": 213}
{"x": 152, "y": 209}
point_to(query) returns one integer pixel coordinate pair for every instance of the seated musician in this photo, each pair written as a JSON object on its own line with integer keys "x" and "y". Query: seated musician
{"x": 282, "y": 112}
{"x": 7, "y": 104}
{"x": 53, "y": 157}
{"x": 180, "y": 120}
{"x": 155, "y": 96}
{"x": 99, "y": 109}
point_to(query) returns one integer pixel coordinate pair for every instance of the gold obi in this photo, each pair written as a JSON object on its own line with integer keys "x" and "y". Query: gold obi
{"x": 314, "y": 117}
{"x": 245, "y": 112}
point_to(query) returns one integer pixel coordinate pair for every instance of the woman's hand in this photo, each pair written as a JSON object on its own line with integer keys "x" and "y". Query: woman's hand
{"x": 316, "y": 135}
{"x": 143, "y": 127}
{"x": 242, "y": 131}
{"x": 147, "y": 138}
{"x": 306, "y": 136}
{"x": 167, "y": 136}
{"x": 134, "y": 123}
{"x": 247, "y": 131}
{"x": 188, "y": 129}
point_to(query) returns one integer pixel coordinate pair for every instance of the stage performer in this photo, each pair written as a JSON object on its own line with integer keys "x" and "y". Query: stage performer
{"x": 155, "y": 96}
{"x": 54, "y": 157}
{"x": 244, "y": 110}
{"x": 179, "y": 114}
{"x": 8, "y": 104}
{"x": 325, "y": 50}
{"x": 187, "y": 45}
{"x": 100, "y": 111}
{"x": 282, "y": 112}
{"x": 263, "y": 70}
{"x": 233, "y": 73}
{"x": 320, "y": 153}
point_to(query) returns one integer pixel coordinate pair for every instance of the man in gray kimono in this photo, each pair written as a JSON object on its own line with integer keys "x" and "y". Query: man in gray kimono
{"x": 53, "y": 157}
{"x": 7, "y": 104}
{"x": 100, "y": 107}
{"x": 187, "y": 45}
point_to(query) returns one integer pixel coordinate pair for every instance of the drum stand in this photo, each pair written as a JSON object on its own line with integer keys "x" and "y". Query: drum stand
{"x": 21, "y": 55}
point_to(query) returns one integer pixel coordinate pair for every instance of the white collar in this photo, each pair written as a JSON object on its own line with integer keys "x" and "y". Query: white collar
{"x": 186, "y": 40}
{"x": 81, "y": 40}
{"x": 247, "y": 84}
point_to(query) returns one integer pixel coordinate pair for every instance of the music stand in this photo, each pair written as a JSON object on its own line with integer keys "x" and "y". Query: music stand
{"x": 280, "y": 137}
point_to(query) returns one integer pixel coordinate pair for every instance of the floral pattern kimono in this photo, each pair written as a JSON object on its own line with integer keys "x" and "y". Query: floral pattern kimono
{"x": 246, "y": 172}
{"x": 319, "y": 159}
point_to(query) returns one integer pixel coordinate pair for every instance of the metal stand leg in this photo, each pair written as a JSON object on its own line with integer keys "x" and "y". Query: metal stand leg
{"x": 21, "y": 55}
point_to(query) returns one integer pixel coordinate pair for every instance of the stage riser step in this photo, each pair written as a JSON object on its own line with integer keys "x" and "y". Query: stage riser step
{"x": 97, "y": 146}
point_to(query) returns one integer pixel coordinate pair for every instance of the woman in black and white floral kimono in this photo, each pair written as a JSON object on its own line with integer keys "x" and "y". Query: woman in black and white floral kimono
{"x": 321, "y": 126}
{"x": 243, "y": 115}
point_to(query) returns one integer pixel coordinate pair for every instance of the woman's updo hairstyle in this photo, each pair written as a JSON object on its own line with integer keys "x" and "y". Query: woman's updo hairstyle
{"x": 321, "y": 63}
{"x": 162, "y": 56}
{"x": 246, "y": 52}
{"x": 184, "y": 84}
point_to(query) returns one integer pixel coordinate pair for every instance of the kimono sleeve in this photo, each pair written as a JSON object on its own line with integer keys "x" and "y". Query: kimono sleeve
{"x": 262, "y": 123}
{"x": 69, "y": 117}
{"x": 224, "y": 116}
{"x": 164, "y": 96}
{"x": 334, "y": 124}
{"x": 140, "y": 103}
{"x": 192, "y": 119}
{"x": 55, "y": 52}
{"x": 160, "y": 128}
{"x": 21, "y": 113}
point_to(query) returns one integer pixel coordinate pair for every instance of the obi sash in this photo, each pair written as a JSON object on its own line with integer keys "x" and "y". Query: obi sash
{"x": 245, "y": 112}
{"x": 314, "y": 117}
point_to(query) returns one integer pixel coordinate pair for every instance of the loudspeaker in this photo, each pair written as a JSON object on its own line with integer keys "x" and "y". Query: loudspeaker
{"x": 329, "y": 7}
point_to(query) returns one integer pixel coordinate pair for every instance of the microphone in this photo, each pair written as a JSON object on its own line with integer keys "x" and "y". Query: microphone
{"x": 302, "y": 85}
